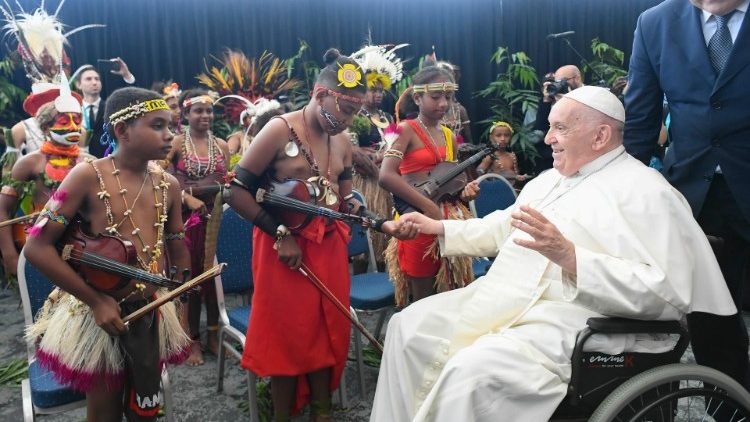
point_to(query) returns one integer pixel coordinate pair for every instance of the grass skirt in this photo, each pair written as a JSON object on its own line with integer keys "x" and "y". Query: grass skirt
{"x": 453, "y": 273}
{"x": 82, "y": 355}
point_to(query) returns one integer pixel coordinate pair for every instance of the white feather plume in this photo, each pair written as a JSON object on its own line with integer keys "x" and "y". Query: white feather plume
{"x": 381, "y": 59}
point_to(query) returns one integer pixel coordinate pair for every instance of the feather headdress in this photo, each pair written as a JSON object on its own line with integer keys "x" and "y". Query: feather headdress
{"x": 380, "y": 64}
{"x": 41, "y": 40}
{"x": 250, "y": 79}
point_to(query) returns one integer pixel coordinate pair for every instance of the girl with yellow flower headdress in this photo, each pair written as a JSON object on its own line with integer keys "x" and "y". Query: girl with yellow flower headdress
{"x": 305, "y": 360}
{"x": 382, "y": 69}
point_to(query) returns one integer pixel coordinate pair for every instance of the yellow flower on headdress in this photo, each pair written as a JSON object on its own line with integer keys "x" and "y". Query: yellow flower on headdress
{"x": 384, "y": 79}
{"x": 349, "y": 75}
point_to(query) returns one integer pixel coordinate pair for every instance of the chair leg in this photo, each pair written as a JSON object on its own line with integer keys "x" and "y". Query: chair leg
{"x": 167, "y": 392}
{"x": 220, "y": 356}
{"x": 28, "y": 406}
{"x": 343, "y": 400}
{"x": 252, "y": 394}
{"x": 381, "y": 321}
{"x": 360, "y": 362}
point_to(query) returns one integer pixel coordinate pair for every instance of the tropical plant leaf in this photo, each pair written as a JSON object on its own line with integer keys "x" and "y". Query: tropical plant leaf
{"x": 513, "y": 94}
{"x": 13, "y": 372}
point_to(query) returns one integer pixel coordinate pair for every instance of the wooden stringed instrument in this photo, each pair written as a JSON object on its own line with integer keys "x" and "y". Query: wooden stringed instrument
{"x": 444, "y": 180}
{"x": 295, "y": 203}
{"x": 106, "y": 262}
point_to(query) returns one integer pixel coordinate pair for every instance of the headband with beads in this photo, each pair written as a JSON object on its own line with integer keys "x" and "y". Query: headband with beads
{"x": 128, "y": 113}
{"x": 336, "y": 94}
{"x": 206, "y": 99}
{"x": 137, "y": 110}
{"x": 502, "y": 124}
{"x": 440, "y": 86}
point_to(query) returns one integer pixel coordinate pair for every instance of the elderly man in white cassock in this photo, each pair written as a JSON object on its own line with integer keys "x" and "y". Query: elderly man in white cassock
{"x": 599, "y": 235}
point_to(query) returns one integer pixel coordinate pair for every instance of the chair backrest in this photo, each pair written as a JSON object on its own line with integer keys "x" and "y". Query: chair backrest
{"x": 360, "y": 242}
{"x": 495, "y": 193}
{"x": 235, "y": 247}
{"x": 34, "y": 287}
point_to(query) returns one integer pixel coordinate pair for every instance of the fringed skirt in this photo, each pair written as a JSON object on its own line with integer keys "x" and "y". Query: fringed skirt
{"x": 378, "y": 201}
{"x": 83, "y": 356}
{"x": 420, "y": 258}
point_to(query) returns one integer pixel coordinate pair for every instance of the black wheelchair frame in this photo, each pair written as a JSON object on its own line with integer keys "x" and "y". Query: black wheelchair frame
{"x": 647, "y": 385}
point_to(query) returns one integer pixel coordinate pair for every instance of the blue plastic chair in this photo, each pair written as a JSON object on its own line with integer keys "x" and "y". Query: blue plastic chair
{"x": 495, "y": 193}
{"x": 235, "y": 248}
{"x": 41, "y": 394}
{"x": 370, "y": 291}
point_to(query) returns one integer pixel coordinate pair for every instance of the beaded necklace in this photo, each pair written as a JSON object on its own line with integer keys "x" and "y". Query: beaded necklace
{"x": 424, "y": 126}
{"x": 323, "y": 182}
{"x": 192, "y": 160}
{"x": 153, "y": 253}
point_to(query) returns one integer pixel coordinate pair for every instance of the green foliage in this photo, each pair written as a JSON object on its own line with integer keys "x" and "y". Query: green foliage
{"x": 265, "y": 406}
{"x": 512, "y": 94}
{"x": 361, "y": 126}
{"x": 405, "y": 82}
{"x": 608, "y": 62}
{"x": 371, "y": 356}
{"x": 11, "y": 96}
{"x": 13, "y": 372}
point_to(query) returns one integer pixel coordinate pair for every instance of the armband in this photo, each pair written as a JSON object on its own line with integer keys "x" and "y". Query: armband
{"x": 346, "y": 174}
{"x": 265, "y": 222}
{"x": 393, "y": 153}
{"x": 247, "y": 180}
{"x": 377, "y": 220}
{"x": 175, "y": 236}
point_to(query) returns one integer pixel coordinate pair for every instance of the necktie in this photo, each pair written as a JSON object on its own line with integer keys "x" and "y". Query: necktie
{"x": 720, "y": 44}
{"x": 90, "y": 117}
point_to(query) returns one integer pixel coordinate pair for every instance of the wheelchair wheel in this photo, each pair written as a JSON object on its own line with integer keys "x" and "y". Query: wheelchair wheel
{"x": 677, "y": 392}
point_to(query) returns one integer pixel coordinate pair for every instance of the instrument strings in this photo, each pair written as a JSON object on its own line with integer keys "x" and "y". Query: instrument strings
{"x": 106, "y": 264}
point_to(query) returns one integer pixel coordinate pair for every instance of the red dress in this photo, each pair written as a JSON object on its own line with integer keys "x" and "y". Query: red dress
{"x": 293, "y": 328}
{"x": 411, "y": 253}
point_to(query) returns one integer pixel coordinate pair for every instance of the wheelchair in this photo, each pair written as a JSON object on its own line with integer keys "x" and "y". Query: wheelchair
{"x": 641, "y": 387}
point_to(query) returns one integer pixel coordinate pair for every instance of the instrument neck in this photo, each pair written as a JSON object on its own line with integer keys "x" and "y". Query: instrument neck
{"x": 455, "y": 171}
{"x": 126, "y": 271}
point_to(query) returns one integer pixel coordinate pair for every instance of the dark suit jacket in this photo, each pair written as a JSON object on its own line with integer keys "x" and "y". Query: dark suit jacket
{"x": 710, "y": 114}
{"x": 95, "y": 147}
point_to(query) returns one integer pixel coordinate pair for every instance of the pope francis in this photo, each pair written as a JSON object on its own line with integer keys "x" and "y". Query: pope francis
{"x": 598, "y": 235}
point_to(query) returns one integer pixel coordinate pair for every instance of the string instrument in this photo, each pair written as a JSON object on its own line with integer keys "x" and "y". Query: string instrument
{"x": 182, "y": 289}
{"x": 204, "y": 189}
{"x": 106, "y": 262}
{"x": 19, "y": 226}
{"x": 294, "y": 203}
{"x": 444, "y": 180}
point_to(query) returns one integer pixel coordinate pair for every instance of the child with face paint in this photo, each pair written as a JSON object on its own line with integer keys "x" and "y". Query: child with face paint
{"x": 415, "y": 265}
{"x": 306, "y": 358}
{"x": 36, "y": 176}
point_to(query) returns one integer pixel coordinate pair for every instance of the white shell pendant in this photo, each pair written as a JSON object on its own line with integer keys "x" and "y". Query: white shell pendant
{"x": 331, "y": 198}
{"x": 291, "y": 149}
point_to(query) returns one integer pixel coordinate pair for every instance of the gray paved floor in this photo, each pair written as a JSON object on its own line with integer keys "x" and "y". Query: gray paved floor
{"x": 194, "y": 388}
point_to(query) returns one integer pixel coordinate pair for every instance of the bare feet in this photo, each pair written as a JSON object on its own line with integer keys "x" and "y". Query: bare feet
{"x": 196, "y": 354}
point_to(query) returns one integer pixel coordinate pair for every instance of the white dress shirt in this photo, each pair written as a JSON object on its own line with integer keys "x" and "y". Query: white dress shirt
{"x": 734, "y": 24}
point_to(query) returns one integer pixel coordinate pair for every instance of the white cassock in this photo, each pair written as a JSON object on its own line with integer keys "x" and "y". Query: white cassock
{"x": 500, "y": 348}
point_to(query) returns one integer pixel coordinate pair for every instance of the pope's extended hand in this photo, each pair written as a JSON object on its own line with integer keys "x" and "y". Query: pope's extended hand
{"x": 548, "y": 240}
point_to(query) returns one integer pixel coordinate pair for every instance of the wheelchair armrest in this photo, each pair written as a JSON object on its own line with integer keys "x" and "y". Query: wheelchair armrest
{"x": 621, "y": 326}
{"x": 633, "y": 326}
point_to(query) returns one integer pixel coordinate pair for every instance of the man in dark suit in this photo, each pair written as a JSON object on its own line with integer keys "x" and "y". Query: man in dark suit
{"x": 697, "y": 52}
{"x": 87, "y": 80}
